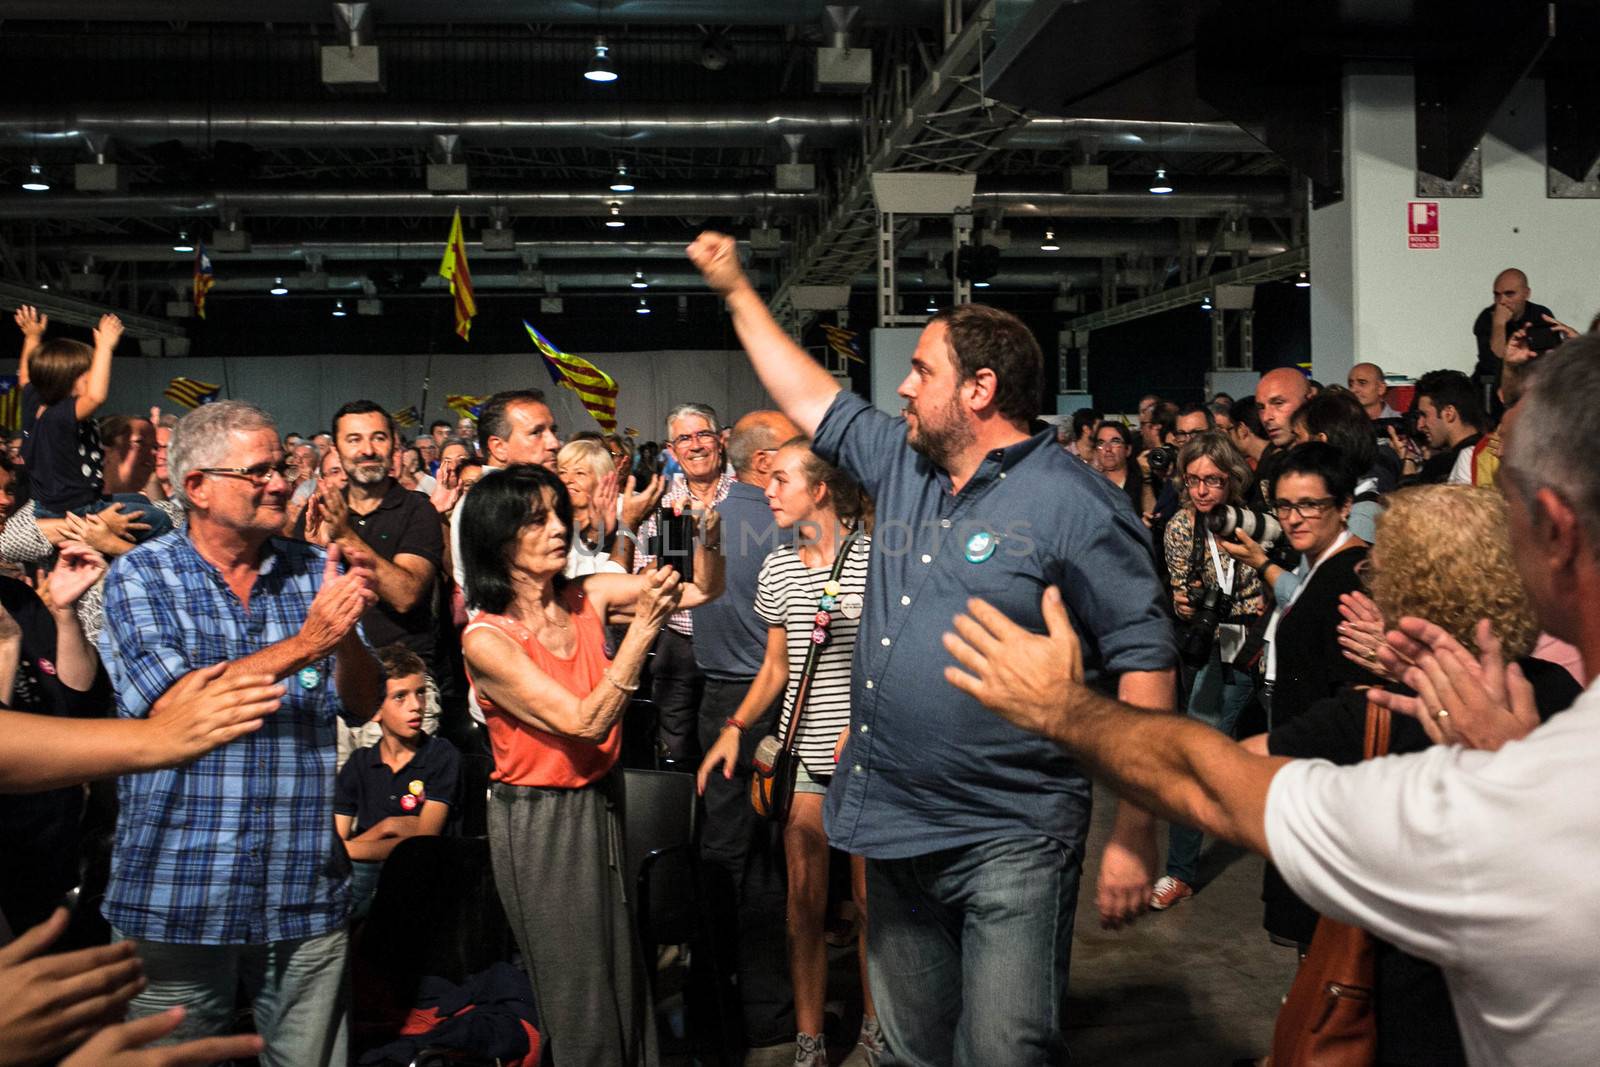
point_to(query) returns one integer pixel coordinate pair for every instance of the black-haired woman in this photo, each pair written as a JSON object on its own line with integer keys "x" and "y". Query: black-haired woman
{"x": 553, "y": 703}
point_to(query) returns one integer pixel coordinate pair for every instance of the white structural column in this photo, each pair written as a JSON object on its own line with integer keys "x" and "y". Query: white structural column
{"x": 1410, "y": 310}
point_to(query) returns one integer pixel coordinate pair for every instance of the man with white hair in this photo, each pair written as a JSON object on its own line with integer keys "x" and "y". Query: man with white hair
{"x": 225, "y": 870}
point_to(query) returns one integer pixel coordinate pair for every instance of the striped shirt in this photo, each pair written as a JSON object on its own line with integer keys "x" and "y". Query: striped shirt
{"x": 238, "y": 846}
{"x": 787, "y": 595}
{"x": 678, "y": 499}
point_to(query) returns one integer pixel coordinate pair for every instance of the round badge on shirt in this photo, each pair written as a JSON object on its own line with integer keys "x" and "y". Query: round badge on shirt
{"x": 850, "y": 605}
{"x": 309, "y": 677}
{"x": 409, "y": 802}
{"x": 980, "y": 546}
{"x": 415, "y": 788}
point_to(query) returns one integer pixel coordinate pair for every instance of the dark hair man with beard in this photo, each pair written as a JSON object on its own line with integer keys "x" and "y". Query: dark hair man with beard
{"x": 973, "y": 830}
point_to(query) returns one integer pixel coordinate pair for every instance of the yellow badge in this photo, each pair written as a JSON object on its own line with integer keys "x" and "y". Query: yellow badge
{"x": 830, "y": 589}
{"x": 415, "y": 787}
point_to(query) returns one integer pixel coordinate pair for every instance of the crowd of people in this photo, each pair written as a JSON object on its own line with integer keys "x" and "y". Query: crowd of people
{"x": 282, "y": 648}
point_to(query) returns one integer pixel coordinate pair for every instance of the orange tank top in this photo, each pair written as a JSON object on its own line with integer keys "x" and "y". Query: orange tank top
{"x": 527, "y": 755}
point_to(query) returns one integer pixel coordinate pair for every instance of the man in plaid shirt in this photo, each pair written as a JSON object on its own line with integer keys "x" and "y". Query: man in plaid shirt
{"x": 226, "y": 870}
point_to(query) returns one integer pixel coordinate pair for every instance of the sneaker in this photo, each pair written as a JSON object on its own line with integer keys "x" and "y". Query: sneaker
{"x": 1168, "y": 891}
{"x": 809, "y": 1051}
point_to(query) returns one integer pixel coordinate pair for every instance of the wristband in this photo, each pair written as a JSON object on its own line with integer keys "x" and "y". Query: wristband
{"x": 735, "y": 723}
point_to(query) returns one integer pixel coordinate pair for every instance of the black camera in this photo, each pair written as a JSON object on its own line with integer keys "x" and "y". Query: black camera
{"x": 1262, "y": 527}
{"x": 673, "y": 542}
{"x": 1541, "y": 339}
{"x": 1160, "y": 460}
{"x": 1211, "y": 609}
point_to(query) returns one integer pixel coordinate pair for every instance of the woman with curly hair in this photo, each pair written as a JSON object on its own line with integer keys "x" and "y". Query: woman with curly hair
{"x": 1442, "y": 553}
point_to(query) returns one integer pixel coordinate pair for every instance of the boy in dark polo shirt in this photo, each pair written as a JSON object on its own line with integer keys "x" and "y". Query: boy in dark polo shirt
{"x": 401, "y": 787}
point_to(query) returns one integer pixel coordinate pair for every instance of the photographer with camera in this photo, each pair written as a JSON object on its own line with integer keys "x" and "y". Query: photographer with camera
{"x": 1216, "y": 599}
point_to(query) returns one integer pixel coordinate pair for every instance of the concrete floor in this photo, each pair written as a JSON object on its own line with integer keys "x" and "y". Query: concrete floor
{"x": 1196, "y": 984}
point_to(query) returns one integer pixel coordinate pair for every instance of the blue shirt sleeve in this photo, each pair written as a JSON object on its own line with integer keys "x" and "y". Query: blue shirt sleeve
{"x": 863, "y": 440}
{"x": 140, "y": 645}
{"x": 1109, "y": 582}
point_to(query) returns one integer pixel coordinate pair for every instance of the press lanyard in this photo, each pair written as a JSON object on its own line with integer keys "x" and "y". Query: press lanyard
{"x": 1277, "y": 616}
{"x": 1224, "y": 573}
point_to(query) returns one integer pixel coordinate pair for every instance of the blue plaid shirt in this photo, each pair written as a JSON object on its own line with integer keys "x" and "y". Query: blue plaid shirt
{"x": 238, "y": 847}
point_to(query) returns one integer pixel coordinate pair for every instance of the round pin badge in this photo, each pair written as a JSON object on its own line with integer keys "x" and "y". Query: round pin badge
{"x": 822, "y": 618}
{"x": 819, "y": 636}
{"x": 830, "y": 589}
{"x": 408, "y": 802}
{"x": 850, "y": 605}
{"x": 980, "y": 546}
{"x": 415, "y": 787}
{"x": 309, "y": 677}
{"x": 828, "y": 603}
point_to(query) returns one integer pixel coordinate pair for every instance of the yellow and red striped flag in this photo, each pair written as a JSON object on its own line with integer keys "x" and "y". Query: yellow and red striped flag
{"x": 464, "y": 404}
{"x": 203, "y": 278}
{"x": 595, "y": 388}
{"x": 453, "y": 269}
{"x": 190, "y": 392}
{"x": 10, "y": 403}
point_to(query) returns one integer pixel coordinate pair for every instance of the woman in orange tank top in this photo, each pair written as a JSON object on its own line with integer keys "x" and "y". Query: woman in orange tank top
{"x": 553, "y": 703}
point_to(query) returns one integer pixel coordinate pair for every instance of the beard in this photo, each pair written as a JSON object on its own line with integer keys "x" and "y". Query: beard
{"x": 367, "y": 470}
{"x": 942, "y": 436}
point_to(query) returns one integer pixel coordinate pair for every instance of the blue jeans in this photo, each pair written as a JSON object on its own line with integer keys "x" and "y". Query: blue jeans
{"x": 136, "y": 506}
{"x": 968, "y": 951}
{"x": 1216, "y": 698}
{"x": 363, "y": 884}
{"x": 299, "y": 990}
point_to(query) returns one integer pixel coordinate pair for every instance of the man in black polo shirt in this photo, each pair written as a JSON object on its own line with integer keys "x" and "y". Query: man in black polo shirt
{"x": 374, "y": 512}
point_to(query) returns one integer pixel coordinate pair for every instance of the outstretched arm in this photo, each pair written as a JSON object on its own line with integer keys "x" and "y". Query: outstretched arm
{"x": 32, "y": 324}
{"x": 1171, "y": 766}
{"x": 800, "y": 385}
{"x": 106, "y": 336}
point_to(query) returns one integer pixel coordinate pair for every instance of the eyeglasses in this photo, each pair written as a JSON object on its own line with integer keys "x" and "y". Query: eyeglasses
{"x": 702, "y": 436}
{"x": 1306, "y": 509}
{"x": 1181, "y": 435}
{"x": 1101, "y": 446}
{"x": 259, "y": 475}
{"x": 1210, "y": 481}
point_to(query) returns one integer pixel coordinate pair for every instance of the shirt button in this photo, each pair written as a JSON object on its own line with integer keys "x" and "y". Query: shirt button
{"x": 869, "y": 683}
{"x": 944, "y": 524}
{"x": 857, "y": 768}
{"x": 1002, "y": 474}
{"x": 865, "y": 728}
{"x": 927, "y": 558}
{"x": 905, "y": 600}
{"x": 885, "y": 642}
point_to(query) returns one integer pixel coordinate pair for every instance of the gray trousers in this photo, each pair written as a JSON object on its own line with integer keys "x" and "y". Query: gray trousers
{"x": 559, "y": 866}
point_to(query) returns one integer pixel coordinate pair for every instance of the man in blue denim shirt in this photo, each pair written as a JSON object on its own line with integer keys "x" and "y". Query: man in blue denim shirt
{"x": 974, "y": 830}
{"x": 226, "y": 870}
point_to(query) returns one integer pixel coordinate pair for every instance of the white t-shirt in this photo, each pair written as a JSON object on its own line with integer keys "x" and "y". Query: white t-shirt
{"x": 1461, "y": 473}
{"x": 1485, "y": 863}
{"x": 788, "y": 594}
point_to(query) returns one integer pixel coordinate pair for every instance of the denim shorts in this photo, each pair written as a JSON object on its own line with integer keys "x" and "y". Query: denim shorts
{"x": 805, "y": 782}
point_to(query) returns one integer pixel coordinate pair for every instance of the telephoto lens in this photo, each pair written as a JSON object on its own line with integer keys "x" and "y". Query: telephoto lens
{"x": 1160, "y": 460}
{"x": 1260, "y": 526}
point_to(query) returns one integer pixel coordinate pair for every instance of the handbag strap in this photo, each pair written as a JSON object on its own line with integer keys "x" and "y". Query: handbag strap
{"x": 813, "y": 655}
{"x": 1376, "y": 742}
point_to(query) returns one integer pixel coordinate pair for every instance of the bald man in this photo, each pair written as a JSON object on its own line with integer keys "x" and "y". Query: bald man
{"x": 738, "y": 848}
{"x": 1279, "y": 394}
{"x": 1510, "y": 312}
{"x": 1367, "y": 384}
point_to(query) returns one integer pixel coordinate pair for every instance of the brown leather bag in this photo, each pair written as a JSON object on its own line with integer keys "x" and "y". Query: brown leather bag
{"x": 1328, "y": 1019}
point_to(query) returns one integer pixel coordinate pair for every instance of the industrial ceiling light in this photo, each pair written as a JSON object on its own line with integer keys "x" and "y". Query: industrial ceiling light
{"x": 980, "y": 285}
{"x": 278, "y": 288}
{"x": 615, "y": 221}
{"x": 933, "y": 306}
{"x": 36, "y": 182}
{"x": 1205, "y": 302}
{"x": 643, "y": 308}
{"x": 338, "y": 309}
{"x": 1049, "y": 242}
{"x": 600, "y": 69}
{"x": 638, "y": 280}
{"x": 1159, "y": 184}
{"x": 183, "y": 244}
{"x": 620, "y": 182}
{"x": 1303, "y": 282}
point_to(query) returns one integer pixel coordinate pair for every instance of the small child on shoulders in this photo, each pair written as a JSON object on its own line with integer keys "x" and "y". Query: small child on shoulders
{"x": 63, "y": 383}
{"x": 401, "y": 787}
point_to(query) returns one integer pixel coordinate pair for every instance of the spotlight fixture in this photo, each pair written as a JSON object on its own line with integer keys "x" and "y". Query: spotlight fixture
{"x": 600, "y": 69}
{"x": 278, "y": 288}
{"x": 1205, "y": 302}
{"x": 1303, "y": 282}
{"x": 615, "y": 221}
{"x": 643, "y": 308}
{"x": 980, "y": 285}
{"x": 1159, "y": 184}
{"x": 638, "y": 280}
{"x": 183, "y": 244}
{"x": 338, "y": 309}
{"x": 36, "y": 181}
{"x": 933, "y": 306}
{"x": 620, "y": 182}
{"x": 1049, "y": 242}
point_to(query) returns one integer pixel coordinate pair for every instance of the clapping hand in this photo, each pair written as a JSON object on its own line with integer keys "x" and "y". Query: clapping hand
{"x": 209, "y": 707}
{"x": 658, "y": 599}
{"x": 1361, "y": 632}
{"x": 76, "y": 571}
{"x": 340, "y": 602}
{"x": 54, "y": 1001}
{"x": 123, "y": 1045}
{"x": 1479, "y": 702}
{"x": 637, "y": 504}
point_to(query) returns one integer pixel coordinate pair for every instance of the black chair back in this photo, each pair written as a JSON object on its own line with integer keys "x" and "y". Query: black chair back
{"x": 436, "y": 911}
{"x": 659, "y": 811}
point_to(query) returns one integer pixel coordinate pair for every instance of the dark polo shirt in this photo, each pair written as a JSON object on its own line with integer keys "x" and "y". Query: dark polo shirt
{"x": 404, "y": 522}
{"x": 927, "y": 767}
{"x": 370, "y": 791}
{"x": 730, "y": 640}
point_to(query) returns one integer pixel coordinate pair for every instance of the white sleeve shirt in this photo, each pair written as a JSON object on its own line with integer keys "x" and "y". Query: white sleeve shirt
{"x": 1486, "y": 864}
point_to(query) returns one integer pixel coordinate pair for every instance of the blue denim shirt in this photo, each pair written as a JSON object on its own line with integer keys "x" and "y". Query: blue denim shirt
{"x": 237, "y": 847}
{"x": 730, "y": 641}
{"x": 928, "y": 768}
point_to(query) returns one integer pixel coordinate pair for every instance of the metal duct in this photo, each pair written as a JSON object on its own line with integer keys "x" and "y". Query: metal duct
{"x": 378, "y": 123}
{"x": 396, "y": 12}
{"x": 1247, "y": 196}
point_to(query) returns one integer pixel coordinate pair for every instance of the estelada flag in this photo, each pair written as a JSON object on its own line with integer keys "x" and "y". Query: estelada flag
{"x": 10, "y": 403}
{"x": 203, "y": 278}
{"x": 465, "y": 405}
{"x": 595, "y": 388}
{"x": 453, "y": 269}
{"x": 190, "y": 392}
